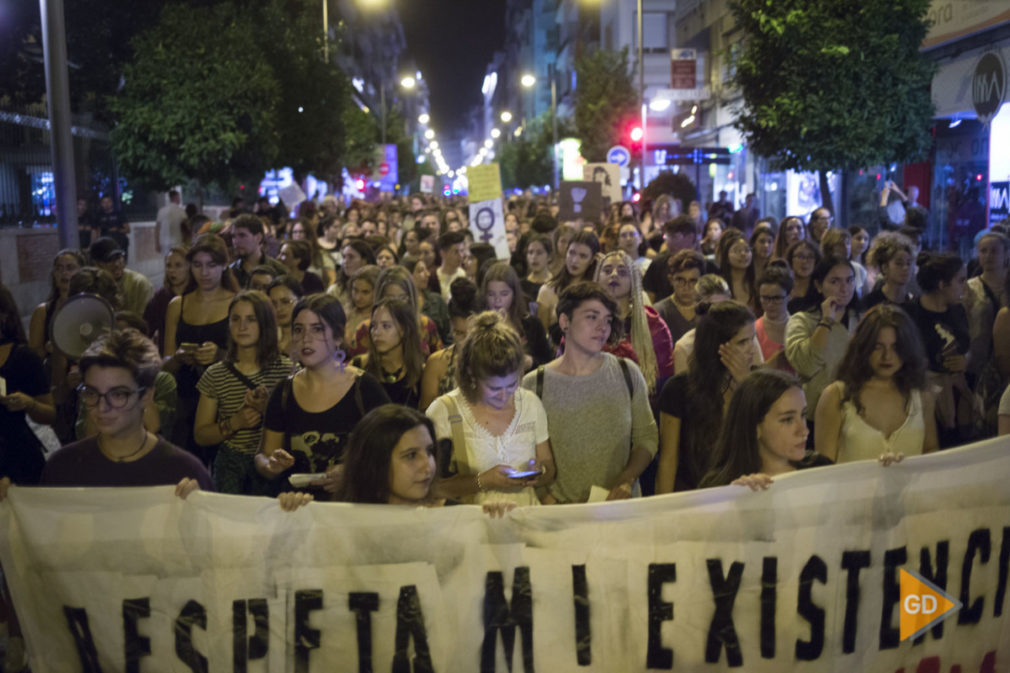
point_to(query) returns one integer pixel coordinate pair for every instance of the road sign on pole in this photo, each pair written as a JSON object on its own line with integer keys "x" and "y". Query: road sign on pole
{"x": 619, "y": 154}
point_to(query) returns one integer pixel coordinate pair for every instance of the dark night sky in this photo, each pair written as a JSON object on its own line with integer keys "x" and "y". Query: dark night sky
{"x": 452, "y": 42}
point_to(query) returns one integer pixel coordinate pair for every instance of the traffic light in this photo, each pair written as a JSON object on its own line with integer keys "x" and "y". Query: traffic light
{"x": 636, "y": 134}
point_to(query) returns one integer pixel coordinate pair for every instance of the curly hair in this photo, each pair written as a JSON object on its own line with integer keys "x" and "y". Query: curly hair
{"x": 127, "y": 349}
{"x": 854, "y": 370}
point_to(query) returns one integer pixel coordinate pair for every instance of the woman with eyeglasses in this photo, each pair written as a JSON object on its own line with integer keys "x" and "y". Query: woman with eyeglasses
{"x": 803, "y": 257}
{"x": 118, "y": 372}
{"x": 774, "y": 287}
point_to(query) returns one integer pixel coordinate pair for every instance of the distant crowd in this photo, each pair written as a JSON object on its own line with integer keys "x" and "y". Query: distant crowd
{"x": 374, "y": 352}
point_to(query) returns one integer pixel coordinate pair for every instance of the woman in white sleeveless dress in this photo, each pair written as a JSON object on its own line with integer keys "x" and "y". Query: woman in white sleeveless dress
{"x": 879, "y": 403}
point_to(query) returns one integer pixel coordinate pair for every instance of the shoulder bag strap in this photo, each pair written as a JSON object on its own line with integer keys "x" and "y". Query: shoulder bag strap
{"x": 458, "y": 441}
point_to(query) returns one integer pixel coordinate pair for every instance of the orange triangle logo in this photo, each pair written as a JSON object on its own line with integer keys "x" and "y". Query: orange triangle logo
{"x": 923, "y": 604}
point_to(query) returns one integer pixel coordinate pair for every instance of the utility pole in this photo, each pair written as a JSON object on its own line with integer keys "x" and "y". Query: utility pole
{"x": 641, "y": 100}
{"x": 54, "y": 49}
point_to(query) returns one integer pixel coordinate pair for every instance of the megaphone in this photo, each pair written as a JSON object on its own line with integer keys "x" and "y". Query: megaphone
{"x": 80, "y": 321}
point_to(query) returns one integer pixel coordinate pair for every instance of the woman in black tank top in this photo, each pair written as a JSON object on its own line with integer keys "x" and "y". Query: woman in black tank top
{"x": 196, "y": 332}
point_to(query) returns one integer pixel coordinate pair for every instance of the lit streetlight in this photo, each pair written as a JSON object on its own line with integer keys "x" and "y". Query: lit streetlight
{"x": 528, "y": 80}
{"x": 489, "y": 143}
{"x": 423, "y": 118}
{"x": 429, "y": 134}
{"x": 495, "y": 133}
{"x": 408, "y": 82}
{"x": 506, "y": 117}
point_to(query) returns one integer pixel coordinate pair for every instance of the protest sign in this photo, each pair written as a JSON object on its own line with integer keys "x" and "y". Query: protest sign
{"x": 609, "y": 177}
{"x": 580, "y": 200}
{"x": 487, "y": 222}
{"x": 805, "y": 576}
{"x": 484, "y": 182}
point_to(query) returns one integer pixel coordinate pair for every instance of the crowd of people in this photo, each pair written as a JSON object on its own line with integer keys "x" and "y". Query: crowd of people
{"x": 376, "y": 353}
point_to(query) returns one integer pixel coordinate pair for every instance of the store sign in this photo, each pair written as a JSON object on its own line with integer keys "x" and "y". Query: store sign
{"x": 988, "y": 86}
{"x": 999, "y": 202}
{"x": 683, "y": 68}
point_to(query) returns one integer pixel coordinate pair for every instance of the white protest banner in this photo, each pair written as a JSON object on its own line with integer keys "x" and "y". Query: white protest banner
{"x": 801, "y": 577}
{"x": 487, "y": 222}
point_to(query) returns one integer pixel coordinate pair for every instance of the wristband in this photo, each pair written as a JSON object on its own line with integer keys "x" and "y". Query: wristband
{"x": 826, "y": 323}
{"x": 479, "y": 486}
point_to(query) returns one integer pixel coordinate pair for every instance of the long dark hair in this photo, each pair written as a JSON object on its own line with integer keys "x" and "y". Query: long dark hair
{"x": 562, "y": 278}
{"x": 737, "y": 451}
{"x": 854, "y": 370}
{"x": 267, "y": 350}
{"x": 815, "y": 298}
{"x": 501, "y": 271}
{"x": 370, "y": 449}
{"x": 706, "y": 377}
{"x": 410, "y": 340}
{"x": 213, "y": 245}
{"x": 54, "y": 292}
{"x": 11, "y": 329}
{"x": 728, "y": 239}
{"x": 328, "y": 309}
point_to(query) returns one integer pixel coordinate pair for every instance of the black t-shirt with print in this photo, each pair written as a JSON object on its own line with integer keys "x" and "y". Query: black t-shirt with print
{"x": 317, "y": 440}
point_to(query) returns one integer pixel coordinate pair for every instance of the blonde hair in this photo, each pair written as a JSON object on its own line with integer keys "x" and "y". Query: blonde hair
{"x": 641, "y": 335}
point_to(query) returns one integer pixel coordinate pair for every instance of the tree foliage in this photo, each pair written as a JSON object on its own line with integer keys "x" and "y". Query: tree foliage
{"x": 526, "y": 161}
{"x": 198, "y": 101}
{"x": 606, "y": 101}
{"x": 833, "y": 84}
{"x": 677, "y": 185}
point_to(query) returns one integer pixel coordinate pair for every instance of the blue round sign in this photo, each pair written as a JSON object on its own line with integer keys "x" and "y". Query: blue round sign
{"x": 618, "y": 154}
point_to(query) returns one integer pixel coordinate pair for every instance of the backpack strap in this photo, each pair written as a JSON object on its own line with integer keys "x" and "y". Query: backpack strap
{"x": 358, "y": 400}
{"x": 286, "y": 392}
{"x": 540, "y": 382}
{"x": 458, "y": 441}
{"x": 627, "y": 376}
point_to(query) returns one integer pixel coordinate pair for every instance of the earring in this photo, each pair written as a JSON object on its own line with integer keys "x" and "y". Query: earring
{"x": 341, "y": 356}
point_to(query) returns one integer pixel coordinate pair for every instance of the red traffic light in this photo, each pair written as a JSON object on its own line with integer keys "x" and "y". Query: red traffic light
{"x": 636, "y": 133}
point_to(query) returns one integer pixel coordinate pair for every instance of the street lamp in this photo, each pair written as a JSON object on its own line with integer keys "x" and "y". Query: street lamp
{"x": 423, "y": 118}
{"x": 495, "y": 133}
{"x": 408, "y": 82}
{"x": 528, "y": 81}
{"x": 489, "y": 143}
{"x": 429, "y": 134}
{"x": 506, "y": 117}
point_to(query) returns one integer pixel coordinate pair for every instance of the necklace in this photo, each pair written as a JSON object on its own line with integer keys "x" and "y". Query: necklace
{"x": 392, "y": 377}
{"x": 123, "y": 459}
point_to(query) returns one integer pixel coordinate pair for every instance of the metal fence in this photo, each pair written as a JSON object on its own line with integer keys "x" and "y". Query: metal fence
{"x": 27, "y": 192}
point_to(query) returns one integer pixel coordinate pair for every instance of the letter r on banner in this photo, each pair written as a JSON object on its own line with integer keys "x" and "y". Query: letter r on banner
{"x": 923, "y": 604}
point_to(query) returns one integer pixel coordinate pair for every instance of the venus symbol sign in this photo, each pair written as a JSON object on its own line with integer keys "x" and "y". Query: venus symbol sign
{"x": 485, "y": 223}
